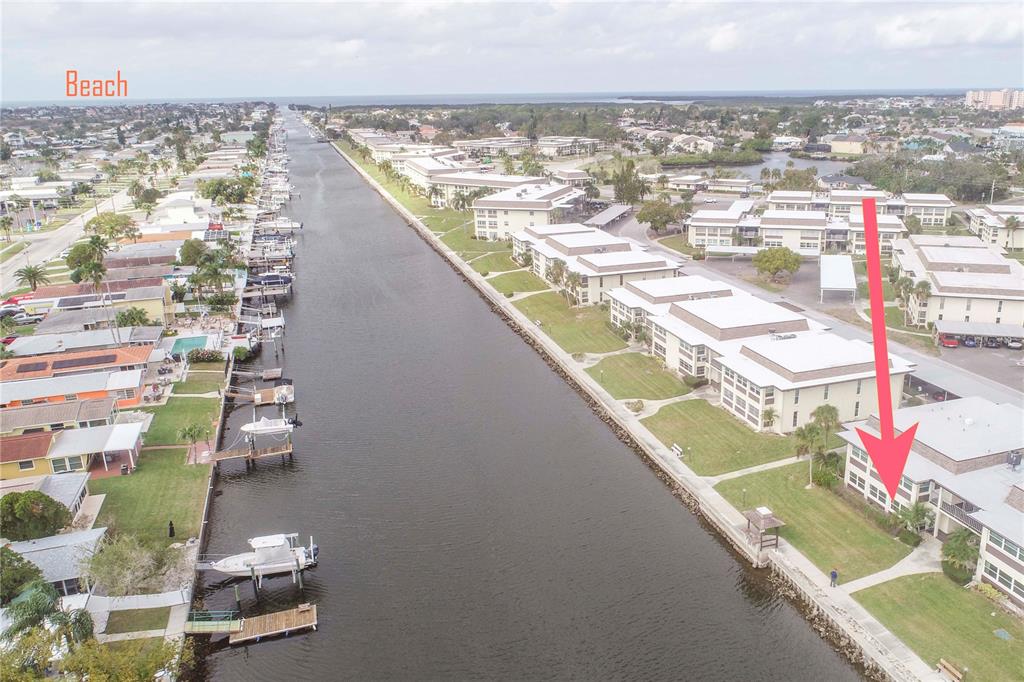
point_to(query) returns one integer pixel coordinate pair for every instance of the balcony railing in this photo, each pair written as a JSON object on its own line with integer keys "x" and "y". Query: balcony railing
{"x": 961, "y": 515}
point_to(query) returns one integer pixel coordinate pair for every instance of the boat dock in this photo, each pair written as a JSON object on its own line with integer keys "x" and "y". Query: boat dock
{"x": 252, "y": 628}
{"x": 258, "y": 397}
{"x": 280, "y": 623}
{"x": 251, "y": 453}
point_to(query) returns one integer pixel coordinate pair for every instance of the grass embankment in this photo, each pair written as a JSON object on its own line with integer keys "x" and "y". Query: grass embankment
{"x": 203, "y": 382}
{"x": 861, "y": 269}
{"x": 495, "y": 262}
{"x": 827, "y": 530}
{"x": 938, "y": 619}
{"x": 12, "y": 251}
{"x": 137, "y": 620}
{"x": 163, "y": 488}
{"x": 635, "y": 375}
{"x": 179, "y": 412}
{"x": 576, "y": 330}
{"x": 677, "y": 242}
{"x": 713, "y": 441}
{"x": 516, "y": 282}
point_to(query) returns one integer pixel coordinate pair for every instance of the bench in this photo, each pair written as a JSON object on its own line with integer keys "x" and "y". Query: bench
{"x": 951, "y": 671}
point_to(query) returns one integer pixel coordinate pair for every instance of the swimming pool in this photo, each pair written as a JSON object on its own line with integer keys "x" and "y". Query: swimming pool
{"x": 185, "y": 344}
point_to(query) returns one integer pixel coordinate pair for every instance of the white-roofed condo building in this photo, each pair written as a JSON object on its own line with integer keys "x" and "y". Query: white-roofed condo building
{"x": 999, "y": 224}
{"x": 504, "y": 213}
{"x": 964, "y": 464}
{"x": 967, "y": 281}
{"x": 592, "y": 262}
{"x": 635, "y": 302}
{"x": 445, "y": 188}
{"x": 772, "y": 366}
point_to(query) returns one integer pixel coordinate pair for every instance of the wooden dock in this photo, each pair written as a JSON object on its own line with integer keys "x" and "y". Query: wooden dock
{"x": 246, "y": 453}
{"x": 279, "y": 623}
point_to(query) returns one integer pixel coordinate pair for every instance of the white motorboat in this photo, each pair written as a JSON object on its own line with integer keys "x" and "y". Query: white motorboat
{"x": 268, "y": 427}
{"x": 270, "y": 555}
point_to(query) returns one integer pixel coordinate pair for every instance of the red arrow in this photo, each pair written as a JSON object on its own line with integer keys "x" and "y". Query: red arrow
{"x": 888, "y": 453}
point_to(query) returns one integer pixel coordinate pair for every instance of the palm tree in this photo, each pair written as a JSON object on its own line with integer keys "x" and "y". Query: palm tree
{"x": 40, "y": 604}
{"x": 922, "y": 290}
{"x": 768, "y": 417}
{"x": 806, "y": 441}
{"x": 961, "y": 549}
{"x": 211, "y": 272}
{"x": 178, "y": 291}
{"x": 194, "y": 432}
{"x": 6, "y": 224}
{"x": 434, "y": 194}
{"x": 556, "y": 271}
{"x": 572, "y": 284}
{"x": 136, "y": 188}
{"x": 460, "y": 201}
{"x": 903, "y": 286}
{"x": 916, "y": 517}
{"x": 826, "y": 418}
{"x": 94, "y": 272}
{"x": 97, "y": 248}
{"x": 31, "y": 276}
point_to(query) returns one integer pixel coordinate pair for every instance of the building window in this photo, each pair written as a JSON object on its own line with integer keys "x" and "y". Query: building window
{"x": 26, "y": 465}
{"x": 856, "y": 409}
{"x": 794, "y": 418}
{"x": 859, "y": 382}
{"x": 70, "y": 397}
{"x": 1013, "y": 549}
{"x": 796, "y": 397}
{"x": 826, "y": 391}
{"x": 857, "y": 481}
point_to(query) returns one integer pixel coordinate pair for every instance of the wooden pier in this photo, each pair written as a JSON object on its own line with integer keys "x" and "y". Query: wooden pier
{"x": 246, "y": 453}
{"x": 258, "y": 397}
{"x": 279, "y": 623}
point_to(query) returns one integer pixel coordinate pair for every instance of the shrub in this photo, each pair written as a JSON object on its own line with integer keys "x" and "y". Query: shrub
{"x": 509, "y": 294}
{"x": 824, "y": 477}
{"x": 15, "y": 573}
{"x": 986, "y": 590}
{"x": 31, "y": 514}
{"x": 961, "y": 576}
{"x": 221, "y": 300}
{"x": 205, "y": 355}
{"x": 484, "y": 273}
{"x": 695, "y": 382}
{"x": 909, "y": 538}
{"x": 241, "y": 353}
{"x": 635, "y": 406}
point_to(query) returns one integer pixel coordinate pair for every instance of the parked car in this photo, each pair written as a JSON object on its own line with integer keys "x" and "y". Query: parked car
{"x": 939, "y": 396}
{"x": 1013, "y": 344}
{"x": 11, "y": 311}
{"x": 25, "y": 318}
{"x": 7, "y": 340}
{"x": 711, "y": 200}
{"x": 970, "y": 342}
{"x": 948, "y": 342}
{"x": 991, "y": 342}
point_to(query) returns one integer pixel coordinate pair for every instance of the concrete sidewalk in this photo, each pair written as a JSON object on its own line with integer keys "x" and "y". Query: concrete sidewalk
{"x": 926, "y": 558}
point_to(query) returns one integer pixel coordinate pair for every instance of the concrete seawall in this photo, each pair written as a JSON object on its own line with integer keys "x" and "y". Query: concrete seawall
{"x": 880, "y": 661}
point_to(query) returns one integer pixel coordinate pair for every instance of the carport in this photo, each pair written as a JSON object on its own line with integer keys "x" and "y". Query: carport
{"x": 608, "y": 216}
{"x": 836, "y": 274}
{"x": 984, "y": 330}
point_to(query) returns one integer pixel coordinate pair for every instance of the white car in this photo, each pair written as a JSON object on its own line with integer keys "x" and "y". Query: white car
{"x": 711, "y": 201}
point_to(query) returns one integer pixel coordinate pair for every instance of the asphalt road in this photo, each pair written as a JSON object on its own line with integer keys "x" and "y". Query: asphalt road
{"x": 46, "y": 246}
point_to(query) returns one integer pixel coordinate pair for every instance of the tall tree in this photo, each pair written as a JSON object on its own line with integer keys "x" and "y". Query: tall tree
{"x": 30, "y": 515}
{"x": 31, "y": 276}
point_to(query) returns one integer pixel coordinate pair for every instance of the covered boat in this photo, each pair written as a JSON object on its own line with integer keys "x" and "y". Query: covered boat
{"x": 270, "y": 555}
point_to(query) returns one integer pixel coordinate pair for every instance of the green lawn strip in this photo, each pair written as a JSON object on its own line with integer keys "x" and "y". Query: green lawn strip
{"x": 677, "y": 242}
{"x": 163, "y": 488}
{"x": 938, "y": 619}
{"x": 207, "y": 366}
{"x": 179, "y": 412}
{"x": 495, "y": 262}
{"x": 576, "y": 330}
{"x": 199, "y": 383}
{"x": 861, "y": 268}
{"x": 774, "y": 287}
{"x": 25, "y": 330}
{"x": 895, "y": 318}
{"x": 514, "y": 282}
{"x": 635, "y": 375}
{"x": 828, "y": 530}
{"x": 715, "y": 442}
{"x": 138, "y": 620}
{"x": 463, "y": 239}
{"x": 136, "y": 646}
{"x": 12, "y": 251}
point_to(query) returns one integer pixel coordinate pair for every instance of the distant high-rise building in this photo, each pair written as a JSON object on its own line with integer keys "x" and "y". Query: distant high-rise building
{"x": 995, "y": 100}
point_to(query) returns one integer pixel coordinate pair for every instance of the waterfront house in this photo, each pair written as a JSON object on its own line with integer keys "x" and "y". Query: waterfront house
{"x": 772, "y": 366}
{"x": 965, "y": 466}
{"x": 57, "y": 416}
{"x": 70, "y": 489}
{"x": 504, "y": 213}
{"x": 75, "y": 362}
{"x": 57, "y": 452}
{"x": 125, "y": 387}
{"x": 60, "y": 557}
{"x": 444, "y": 188}
{"x": 44, "y": 344}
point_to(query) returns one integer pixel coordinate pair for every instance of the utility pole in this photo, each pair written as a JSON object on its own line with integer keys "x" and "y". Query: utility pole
{"x": 992, "y": 192}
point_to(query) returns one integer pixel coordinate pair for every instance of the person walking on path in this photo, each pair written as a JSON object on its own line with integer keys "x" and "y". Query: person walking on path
{"x": 834, "y": 575}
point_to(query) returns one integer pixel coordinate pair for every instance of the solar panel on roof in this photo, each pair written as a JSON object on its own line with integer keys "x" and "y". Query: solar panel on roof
{"x": 85, "y": 362}
{"x": 32, "y": 367}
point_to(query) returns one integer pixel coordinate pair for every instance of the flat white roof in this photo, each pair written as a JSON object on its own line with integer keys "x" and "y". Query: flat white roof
{"x": 591, "y": 237}
{"x": 837, "y": 273}
{"x": 95, "y": 439}
{"x": 738, "y": 311}
{"x": 72, "y": 383}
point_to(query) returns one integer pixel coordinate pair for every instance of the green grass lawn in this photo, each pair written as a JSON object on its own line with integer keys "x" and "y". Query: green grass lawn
{"x": 677, "y": 242}
{"x": 713, "y": 440}
{"x": 635, "y": 375}
{"x": 576, "y": 330}
{"x": 179, "y": 412}
{"x": 12, "y": 251}
{"x": 513, "y": 282}
{"x": 495, "y": 262}
{"x": 138, "y": 620}
{"x": 199, "y": 383}
{"x": 207, "y": 367}
{"x": 894, "y": 317}
{"x": 461, "y": 239}
{"x": 163, "y": 488}
{"x": 938, "y": 619}
{"x": 861, "y": 269}
{"x": 829, "y": 531}
{"x": 25, "y": 330}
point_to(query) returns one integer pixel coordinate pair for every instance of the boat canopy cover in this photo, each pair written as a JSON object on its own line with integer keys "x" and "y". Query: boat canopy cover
{"x": 271, "y": 540}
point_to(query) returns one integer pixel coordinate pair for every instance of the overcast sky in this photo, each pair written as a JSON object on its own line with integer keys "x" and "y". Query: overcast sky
{"x": 205, "y": 50}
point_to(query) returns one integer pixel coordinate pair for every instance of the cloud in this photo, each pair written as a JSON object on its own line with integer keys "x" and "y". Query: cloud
{"x": 724, "y": 38}
{"x": 952, "y": 27}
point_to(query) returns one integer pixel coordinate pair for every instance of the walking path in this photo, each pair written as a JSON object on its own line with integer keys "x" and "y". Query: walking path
{"x": 926, "y": 558}
{"x": 874, "y": 639}
{"x": 651, "y": 407}
{"x": 715, "y": 480}
{"x": 126, "y": 636}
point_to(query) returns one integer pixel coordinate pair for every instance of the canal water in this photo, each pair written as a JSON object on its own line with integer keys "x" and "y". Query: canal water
{"x": 772, "y": 160}
{"x": 475, "y": 519}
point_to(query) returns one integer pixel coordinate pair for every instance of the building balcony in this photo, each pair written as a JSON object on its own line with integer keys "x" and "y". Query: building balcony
{"x": 960, "y": 513}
